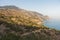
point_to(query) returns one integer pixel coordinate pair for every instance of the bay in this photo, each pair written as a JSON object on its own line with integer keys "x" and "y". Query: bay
{"x": 53, "y": 23}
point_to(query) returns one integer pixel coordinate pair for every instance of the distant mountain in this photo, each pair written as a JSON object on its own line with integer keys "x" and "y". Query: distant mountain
{"x": 21, "y": 24}
{"x": 8, "y": 7}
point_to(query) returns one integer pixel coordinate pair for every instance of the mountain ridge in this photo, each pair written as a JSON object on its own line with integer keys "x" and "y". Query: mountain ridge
{"x": 26, "y": 16}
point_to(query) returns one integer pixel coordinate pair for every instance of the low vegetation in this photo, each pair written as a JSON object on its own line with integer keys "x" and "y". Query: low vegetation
{"x": 19, "y": 24}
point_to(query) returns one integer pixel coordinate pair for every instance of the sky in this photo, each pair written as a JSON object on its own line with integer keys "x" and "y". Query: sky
{"x": 46, "y": 7}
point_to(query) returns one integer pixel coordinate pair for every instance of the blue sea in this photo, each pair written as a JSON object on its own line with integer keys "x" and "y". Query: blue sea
{"x": 53, "y": 23}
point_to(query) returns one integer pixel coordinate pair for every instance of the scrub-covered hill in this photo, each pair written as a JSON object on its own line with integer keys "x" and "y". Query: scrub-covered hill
{"x": 12, "y": 14}
{"x": 20, "y": 24}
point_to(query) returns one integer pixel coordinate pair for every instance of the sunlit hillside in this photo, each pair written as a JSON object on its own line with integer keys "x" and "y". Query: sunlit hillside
{"x": 21, "y": 24}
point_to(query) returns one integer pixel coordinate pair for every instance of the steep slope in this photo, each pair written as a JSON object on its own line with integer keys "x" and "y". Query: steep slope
{"x": 20, "y": 24}
{"x": 20, "y": 16}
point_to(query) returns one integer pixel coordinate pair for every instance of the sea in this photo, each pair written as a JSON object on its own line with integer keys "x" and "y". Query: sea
{"x": 53, "y": 23}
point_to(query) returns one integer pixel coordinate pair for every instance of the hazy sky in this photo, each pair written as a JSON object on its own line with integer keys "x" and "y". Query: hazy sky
{"x": 46, "y": 7}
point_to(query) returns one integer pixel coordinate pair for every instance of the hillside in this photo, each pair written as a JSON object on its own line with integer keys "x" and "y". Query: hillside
{"x": 20, "y": 16}
{"x": 20, "y": 24}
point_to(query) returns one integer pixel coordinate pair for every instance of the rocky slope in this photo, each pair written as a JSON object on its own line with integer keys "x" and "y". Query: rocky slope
{"x": 20, "y": 24}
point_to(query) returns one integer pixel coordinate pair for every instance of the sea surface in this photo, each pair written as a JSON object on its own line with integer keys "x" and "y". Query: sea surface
{"x": 53, "y": 23}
